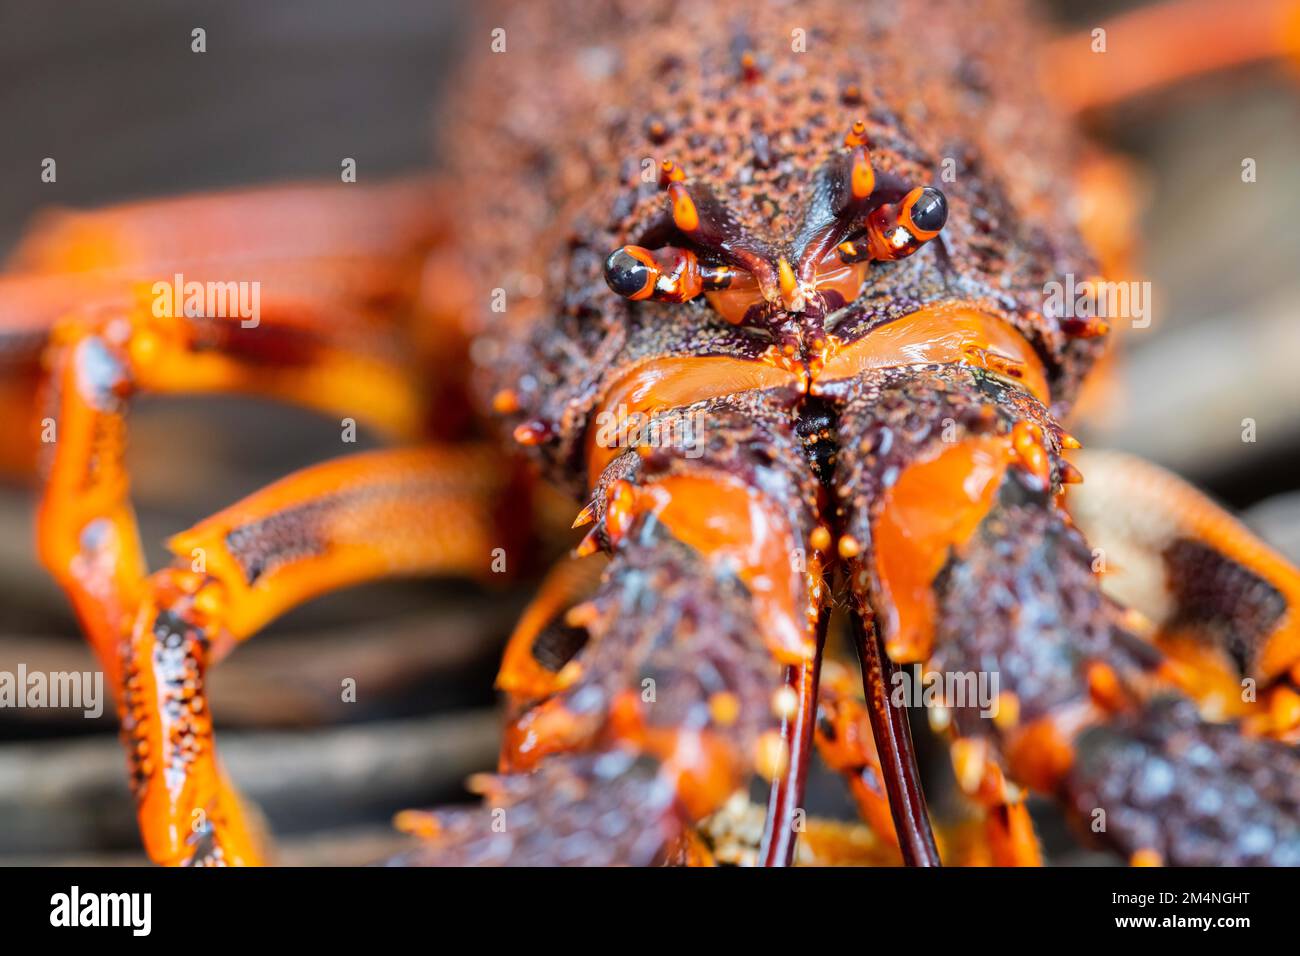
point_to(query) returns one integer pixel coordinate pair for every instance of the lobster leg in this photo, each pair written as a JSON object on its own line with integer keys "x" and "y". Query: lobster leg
{"x": 1224, "y": 605}
{"x": 1095, "y": 720}
{"x": 1003, "y": 586}
{"x": 376, "y": 224}
{"x": 86, "y": 526}
{"x": 417, "y": 512}
{"x": 1162, "y": 44}
{"x": 543, "y": 642}
{"x": 1010, "y": 832}
{"x": 712, "y": 590}
{"x": 157, "y": 632}
{"x": 330, "y": 266}
{"x": 324, "y": 257}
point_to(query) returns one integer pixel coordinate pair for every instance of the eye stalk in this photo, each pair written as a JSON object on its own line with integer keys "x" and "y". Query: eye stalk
{"x": 863, "y": 217}
{"x": 665, "y": 275}
{"x": 896, "y": 230}
{"x": 629, "y": 275}
{"x": 671, "y": 274}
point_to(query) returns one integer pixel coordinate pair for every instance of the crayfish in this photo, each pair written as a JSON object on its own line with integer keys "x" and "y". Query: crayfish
{"x": 762, "y": 287}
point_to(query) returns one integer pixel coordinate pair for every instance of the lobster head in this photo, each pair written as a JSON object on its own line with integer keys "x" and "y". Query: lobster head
{"x": 700, "y": 246}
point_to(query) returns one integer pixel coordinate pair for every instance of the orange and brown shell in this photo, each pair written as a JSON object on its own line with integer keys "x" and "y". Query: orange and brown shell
{"x": 557, "y": 145}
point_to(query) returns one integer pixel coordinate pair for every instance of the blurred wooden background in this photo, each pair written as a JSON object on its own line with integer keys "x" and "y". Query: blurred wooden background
{"x": 285, "y": 91}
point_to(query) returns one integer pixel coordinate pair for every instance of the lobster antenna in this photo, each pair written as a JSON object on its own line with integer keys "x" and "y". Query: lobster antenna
{"x": 776, "y": 848}
{"x": 894, "y": 744}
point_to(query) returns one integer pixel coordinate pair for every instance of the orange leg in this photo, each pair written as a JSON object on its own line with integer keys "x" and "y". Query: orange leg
{"x": 844, "y": 740}
{"x": 1008, "y": 829}
{"x": 330, "y": 264}
{"x": 1011, "y": 835}
{"x": 380, "y": 514}
{"x": 1165, "y": 43}
{"x": 1222, "y": 604}
{"x": 86, "y": 526}
{"x": 276, "y": 223}
{"x": 355, "y": 254}
{"x": 400, "y": 512}
{"x": 536, "y": 659}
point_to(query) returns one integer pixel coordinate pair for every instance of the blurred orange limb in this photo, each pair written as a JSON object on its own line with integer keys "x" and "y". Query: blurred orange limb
{"x": 401, "y": 512}
{"x": 1165, "y": 43}
{"x": 521, "y": 675}
{"x": 270, "y": 223}
{"x": 86, "y": 527}
{"x": 1011, "y": 835}
{"x": 379, "y": 514}
{"x": 421, "y": 511}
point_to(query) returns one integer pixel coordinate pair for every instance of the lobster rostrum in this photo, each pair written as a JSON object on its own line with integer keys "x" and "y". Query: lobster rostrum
{"x": 762, "y": 287}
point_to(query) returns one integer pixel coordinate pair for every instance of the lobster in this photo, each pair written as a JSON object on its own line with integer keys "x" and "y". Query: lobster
{"x": 762, "y": 288}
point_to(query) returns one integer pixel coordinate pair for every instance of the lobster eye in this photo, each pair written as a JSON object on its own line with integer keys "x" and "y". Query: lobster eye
{"x": 927, "y": 211}
{"x": 628, "y": 275}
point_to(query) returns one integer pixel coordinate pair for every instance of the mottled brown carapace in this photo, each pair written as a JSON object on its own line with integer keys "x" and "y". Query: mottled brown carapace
{"x": 558, "y": 142}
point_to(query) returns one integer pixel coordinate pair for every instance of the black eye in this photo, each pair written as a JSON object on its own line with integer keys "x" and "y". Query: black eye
{"x": 626, "y": 274}
{"x": 930, "y": 211}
